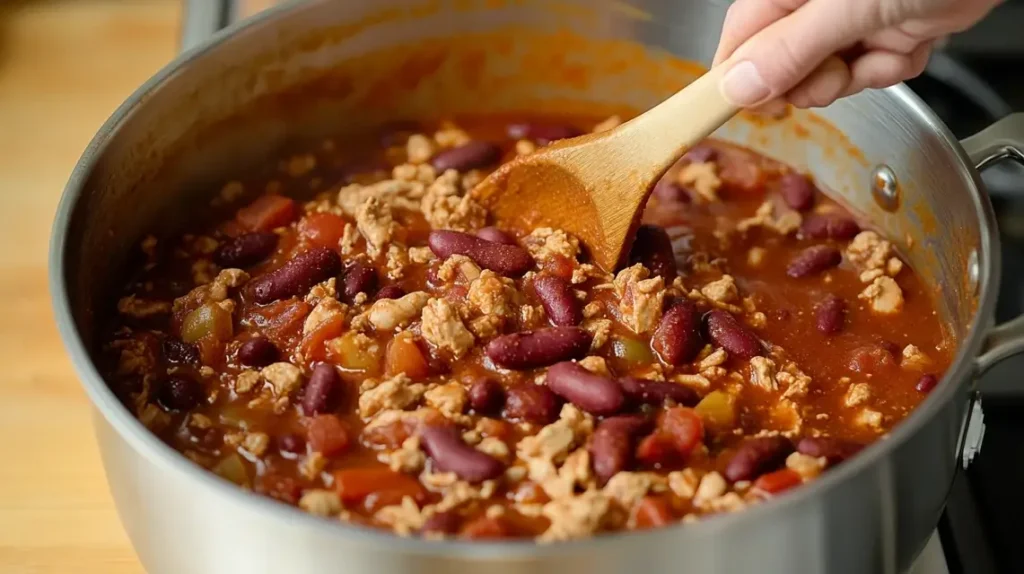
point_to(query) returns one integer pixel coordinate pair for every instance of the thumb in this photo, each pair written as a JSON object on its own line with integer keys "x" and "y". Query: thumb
{"x": 779, "y": 57}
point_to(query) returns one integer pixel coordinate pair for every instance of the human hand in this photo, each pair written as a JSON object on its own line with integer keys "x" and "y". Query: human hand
{"x": 812, "y": 52}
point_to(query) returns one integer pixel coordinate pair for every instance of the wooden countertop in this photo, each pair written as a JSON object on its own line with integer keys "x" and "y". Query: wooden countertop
{"x": 64, "y": 66}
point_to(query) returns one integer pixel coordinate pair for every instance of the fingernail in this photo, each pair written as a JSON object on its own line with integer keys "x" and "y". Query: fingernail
{"x": 743, "y": 85}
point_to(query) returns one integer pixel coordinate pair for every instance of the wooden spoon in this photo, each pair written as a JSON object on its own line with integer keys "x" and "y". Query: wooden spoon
{"x": 595, "y": 186}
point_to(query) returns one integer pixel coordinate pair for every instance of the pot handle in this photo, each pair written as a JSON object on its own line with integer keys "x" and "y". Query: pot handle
{"x": 203, "y": 18}
{"x": 1003, "y": 140}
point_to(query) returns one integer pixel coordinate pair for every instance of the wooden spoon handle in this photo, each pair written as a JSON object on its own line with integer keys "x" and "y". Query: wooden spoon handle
{"x": 667, "y": 130}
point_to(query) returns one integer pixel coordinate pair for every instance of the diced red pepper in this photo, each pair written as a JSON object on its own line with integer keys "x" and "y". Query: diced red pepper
{"x": 312, "y": 344}
{"x": 376, "y": 487}
{"x": 651, "y": 512}
{"x": 656, "y": 448}
{"x": 326, "y": 434}
{"x": 778, "y": 481}
{"x": 268, "y": 212}
{"x": 405, "y": 356}
{"x": 282, "y": 321}
{"x": 322, "y": 229}
{"x": 684, "y": 426}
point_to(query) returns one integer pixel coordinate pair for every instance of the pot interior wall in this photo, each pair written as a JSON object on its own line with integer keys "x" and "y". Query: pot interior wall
{"x": 342, "y": 67}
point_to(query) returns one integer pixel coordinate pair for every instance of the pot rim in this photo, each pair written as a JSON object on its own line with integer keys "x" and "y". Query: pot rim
{"x": 158, "y": 453}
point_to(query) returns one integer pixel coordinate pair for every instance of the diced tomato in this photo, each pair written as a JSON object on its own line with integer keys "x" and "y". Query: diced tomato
{"x": 559, "y": 266}
{"x": 405, "y": 356}
{"x": 322, "y": 229}
{"x": 495, "y": 428}
{"x": 268, "y": 212}
{"x": 684, "y": 427}
{"x": 656, "y": 448}
{"x": 484, "y": 528}
{"x": 778, "y": 481}
{"x": 651, "y": 512}
{"x": 283, "y": 488}
{"x": 312, "y": 344}
{"x": 376, "y": 487}
{"x": 281, "y": 321}
{"x": 211, "y": 351}
{"x": 326, "y": 434}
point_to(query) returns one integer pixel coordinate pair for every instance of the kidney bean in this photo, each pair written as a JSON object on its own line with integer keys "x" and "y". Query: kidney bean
{"x": 258, "y": 352}
{"x": 246, "y": 250}
{"x": 322, "y": 390}
{"x": 179, "y": 393}
{"x": 538, "y": 348}
{"x": 509, "y": 260}
{"x": 830, "y": 315}
{"x": 729, "y": 334}
{"x": 653, "y": 248}
{"x": 178, "y": 351}
{"x": 669, "y": 190}
{"x": 611, "y": 447}
{"x": 829, "y": 226}
{"x": 389, "y": 292}
{"x": 292, "y": 443}
{"x": 593, "y": 393}
{"x": 467, "y": 156}
{"x": 813, "y": 260}
{"x": 700, "y": 154}
{"x": 677, "y": 338}
{"x": 756, "y": 456}
{"x": 559, "y": 301}
{"x": 531, "y": 403}
{"x": 297, "y": 276}
{"x": 926, "y": 383}
{"x": 447, "y": 522}
{"x": 359, "y": 278}
{"x": 834, "y": 450}
{"x": 486, "y": 396}
{"x": 797, "y": 191}
{"x": 495, "y": 235}
{"x": 450, "y": 454}
{"x": 645, "y": 392}
{"x": 542, "y": 133}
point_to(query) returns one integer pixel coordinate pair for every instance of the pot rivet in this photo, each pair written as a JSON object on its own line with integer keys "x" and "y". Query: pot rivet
{"x": 973, "y": 270}
{"x": 885, "y": 188}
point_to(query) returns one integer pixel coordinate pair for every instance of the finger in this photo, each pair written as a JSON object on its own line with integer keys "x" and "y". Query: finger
{"x": 779, "y": 57}
{"x": 746, "y": 17}
{"x": 776, "y": 108}
{"x": 825, "y": 85}
{"x": 880, "y": 69}
{"x": 893, "y": 40}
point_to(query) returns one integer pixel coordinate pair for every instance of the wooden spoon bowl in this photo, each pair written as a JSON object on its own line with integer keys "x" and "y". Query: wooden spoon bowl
{"x": 595, "y": 186}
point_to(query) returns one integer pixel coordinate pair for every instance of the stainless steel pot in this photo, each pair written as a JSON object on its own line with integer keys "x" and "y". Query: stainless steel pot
{"x": 324, "y": 66}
